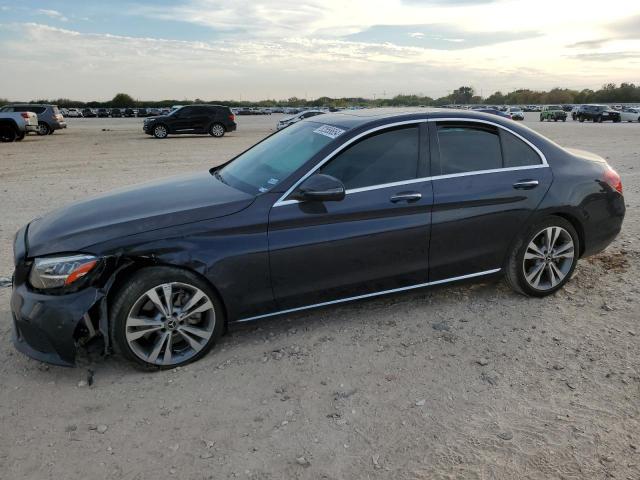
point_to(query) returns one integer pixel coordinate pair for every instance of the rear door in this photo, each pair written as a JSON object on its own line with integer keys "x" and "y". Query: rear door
{"x": 375, "y": 239}
{"x": 487, "y": 183}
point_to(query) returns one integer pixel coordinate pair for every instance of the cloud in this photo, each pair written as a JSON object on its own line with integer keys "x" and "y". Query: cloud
{"x": 435, "y": 36}
{"x": 606, "y": 56}
{"x": 54, "y": 14}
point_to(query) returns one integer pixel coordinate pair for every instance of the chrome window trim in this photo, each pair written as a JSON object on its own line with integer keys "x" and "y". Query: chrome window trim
{"x": 282, "y": 202}
{"x": 374, "y": 294}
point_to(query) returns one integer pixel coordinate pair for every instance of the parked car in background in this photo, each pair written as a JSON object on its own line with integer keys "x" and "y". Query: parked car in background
{"x": 88, "y": 113}
{"x": 333, "y": 209}
{"x": 103, "y": 113}
{"x": 116, "y": 113}
{"x": 296, "y": 118}
{"x": 216, "y": 120}
{"x": 129, "y": 112}
{"x": 575, "y": 110}
{"x": 143, "y": 112}
{"x": 73, "y": 113}
{"x": 598, "y": 113}
{"x": 15, "y": 125}
{"x": 629, "y": 114}
{"x": 515, "y": 112}
{"x": 154, "y": 112}
{"x": 553, "y": 112}
{"x": 49, "y": 117}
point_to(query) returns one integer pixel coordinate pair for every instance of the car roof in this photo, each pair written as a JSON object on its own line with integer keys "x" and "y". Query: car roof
{"x": 357, "y": 118}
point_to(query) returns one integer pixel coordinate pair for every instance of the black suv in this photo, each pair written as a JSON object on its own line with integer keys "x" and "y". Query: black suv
{"x": 215, "y": 120}
{"x": 597, "y": 113}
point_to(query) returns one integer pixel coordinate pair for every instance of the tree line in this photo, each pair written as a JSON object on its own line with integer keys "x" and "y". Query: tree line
{"x": 608, "y": 93}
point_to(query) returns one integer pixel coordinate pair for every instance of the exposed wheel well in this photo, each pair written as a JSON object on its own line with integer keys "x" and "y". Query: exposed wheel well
{"x": 136, "y": 264}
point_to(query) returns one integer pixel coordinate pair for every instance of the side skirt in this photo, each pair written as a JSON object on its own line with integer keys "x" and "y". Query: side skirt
{"x": 368, "y": 295}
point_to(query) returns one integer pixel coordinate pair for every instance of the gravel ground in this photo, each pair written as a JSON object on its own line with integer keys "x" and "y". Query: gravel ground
{"x": 467, "y": 381}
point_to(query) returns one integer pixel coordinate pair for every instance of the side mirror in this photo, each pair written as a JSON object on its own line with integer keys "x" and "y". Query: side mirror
{"x": 320, "y": 188}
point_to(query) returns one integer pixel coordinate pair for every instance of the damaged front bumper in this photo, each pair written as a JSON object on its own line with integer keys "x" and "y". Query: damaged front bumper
{"x": 49, "y": 327}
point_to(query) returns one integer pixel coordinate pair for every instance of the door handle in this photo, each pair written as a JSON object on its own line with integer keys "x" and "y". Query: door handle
{"x": 406, "y": 197}
{"x": 526, "y": 184}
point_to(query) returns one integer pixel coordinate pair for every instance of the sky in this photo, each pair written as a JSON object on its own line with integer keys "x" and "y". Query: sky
{"x": 257, "y": 49}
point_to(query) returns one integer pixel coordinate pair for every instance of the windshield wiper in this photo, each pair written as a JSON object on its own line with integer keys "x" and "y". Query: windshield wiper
{"x": 216, "y": 173}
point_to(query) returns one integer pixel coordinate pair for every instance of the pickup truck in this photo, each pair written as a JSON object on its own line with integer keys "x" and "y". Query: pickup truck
{"x": 15, "y": 125}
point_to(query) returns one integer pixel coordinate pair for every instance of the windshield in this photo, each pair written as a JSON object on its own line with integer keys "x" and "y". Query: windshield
{"x": 266, "y": 164}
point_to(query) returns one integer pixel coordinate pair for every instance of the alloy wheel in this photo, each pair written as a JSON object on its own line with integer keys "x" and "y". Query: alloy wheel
{"x": 170, "y": 323}
{"x": 160, "y": 131}
{"x": 548, "y": 258}
{"x": 217, "y": 130}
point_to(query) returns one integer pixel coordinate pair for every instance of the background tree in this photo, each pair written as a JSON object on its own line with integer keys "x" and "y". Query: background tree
{"x": 122, "y": 100}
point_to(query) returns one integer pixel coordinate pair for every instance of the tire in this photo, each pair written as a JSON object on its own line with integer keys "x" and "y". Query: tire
{"x": 160, "y": 131}
{"x": 541, "y": 118}
{"x": 20, "y": 136}
{"x": 8, "y": 134}
{"x": 142, "y": 334}
{"x": 43, "y": 128}
{"x": 598, "y": 119}
{"x": 581, "y": 119}
{"x": 217, "y": 130}
{"x": 564, "y": 119}
{"x": 521, "y": 274}
{"x": 555, "y": 119}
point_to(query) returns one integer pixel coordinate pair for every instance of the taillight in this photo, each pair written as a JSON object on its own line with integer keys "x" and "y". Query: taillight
{"x": 613, "y": 179}
{"x": 232, "y": 117}
{"x": 25, "y": 115}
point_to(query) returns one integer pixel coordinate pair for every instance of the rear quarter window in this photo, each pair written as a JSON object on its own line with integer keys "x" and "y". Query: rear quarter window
{"x": 517, "y": 153}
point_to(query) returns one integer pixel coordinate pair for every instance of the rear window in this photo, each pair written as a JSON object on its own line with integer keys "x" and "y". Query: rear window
{"x": 468, "y": 147}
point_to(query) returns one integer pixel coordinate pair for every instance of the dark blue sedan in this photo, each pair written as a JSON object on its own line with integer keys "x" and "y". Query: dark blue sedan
{"x": 335, "y": 208}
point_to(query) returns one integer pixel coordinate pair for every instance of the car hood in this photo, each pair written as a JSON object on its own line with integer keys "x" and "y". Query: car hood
{"x": 132, "y": 210}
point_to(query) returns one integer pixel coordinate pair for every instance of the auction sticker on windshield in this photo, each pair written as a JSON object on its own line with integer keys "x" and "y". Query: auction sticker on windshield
{"x": 329, "y": 131}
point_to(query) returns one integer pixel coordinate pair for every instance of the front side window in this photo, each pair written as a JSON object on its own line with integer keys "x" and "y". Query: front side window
{"x": 468, "y": 147}
{"x": 269, "y": 162}
{"x": 385, "y": 157}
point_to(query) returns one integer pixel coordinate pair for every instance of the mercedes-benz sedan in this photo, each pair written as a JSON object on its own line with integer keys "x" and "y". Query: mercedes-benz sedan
{"x": 335, "y": 208}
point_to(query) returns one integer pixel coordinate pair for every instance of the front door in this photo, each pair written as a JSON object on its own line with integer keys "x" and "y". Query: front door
{"x": 375, "y": 239}
{"x": 487, "y": 183}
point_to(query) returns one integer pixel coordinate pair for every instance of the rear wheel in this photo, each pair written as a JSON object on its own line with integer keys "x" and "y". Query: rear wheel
{"x": 599, "y": 119}
{"x": 544, "y": 258}
{"x": 20, "y": 136}
{"x": 216, "y": 130}
{"x": 43, "y": 128}
{"x": 581, "y": 118}
{"x": 165, "y": 317}
{"x": 7, "y": 133}
{"x": 541, "y": 118}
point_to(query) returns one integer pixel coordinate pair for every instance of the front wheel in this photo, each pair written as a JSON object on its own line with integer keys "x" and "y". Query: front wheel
{"x": 165, "y": 317}
{"x": 216, "y": 130}
{"x": 160, "y": 131}
{"x": 544, "y": 258}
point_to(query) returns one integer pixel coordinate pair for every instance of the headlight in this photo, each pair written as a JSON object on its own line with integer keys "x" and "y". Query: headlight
{"x": 56, "y": 272}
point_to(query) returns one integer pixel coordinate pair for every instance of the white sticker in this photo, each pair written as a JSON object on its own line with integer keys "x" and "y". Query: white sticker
{"x": 272, "y": 181}
{"x": 329, "y": 131}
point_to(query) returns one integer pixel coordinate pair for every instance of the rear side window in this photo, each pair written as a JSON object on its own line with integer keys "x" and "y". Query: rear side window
{"x": 385, "y": 157}
{"x": 517, "y": 153}
{"x": 468, "y": 147}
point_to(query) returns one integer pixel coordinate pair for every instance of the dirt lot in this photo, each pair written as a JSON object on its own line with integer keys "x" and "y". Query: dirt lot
{"x": 466, "y": 381}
